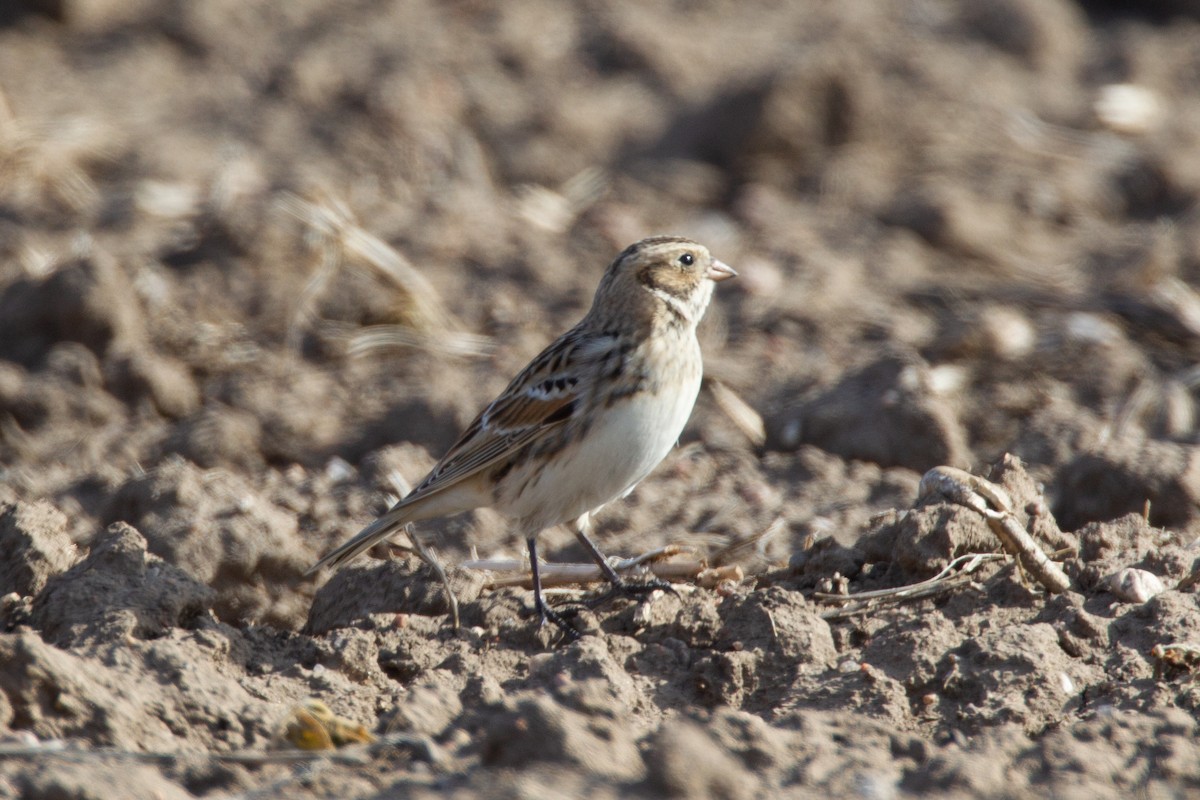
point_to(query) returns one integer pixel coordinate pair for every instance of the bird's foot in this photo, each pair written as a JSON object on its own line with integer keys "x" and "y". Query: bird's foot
{"x": 637, "y": 590}
{"x": 561, "y": 619}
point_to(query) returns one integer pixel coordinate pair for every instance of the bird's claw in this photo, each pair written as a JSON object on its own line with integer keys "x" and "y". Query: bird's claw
{"x": 634, "y": 589}
{"x": 561, "y": 620}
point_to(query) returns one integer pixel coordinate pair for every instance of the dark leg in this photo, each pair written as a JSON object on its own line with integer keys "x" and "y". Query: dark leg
{"x": 544, "y": 611}
{"x": 618, "y": 584}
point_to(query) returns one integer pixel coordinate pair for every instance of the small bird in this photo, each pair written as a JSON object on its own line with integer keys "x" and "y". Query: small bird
{"x": 586, "y": 420}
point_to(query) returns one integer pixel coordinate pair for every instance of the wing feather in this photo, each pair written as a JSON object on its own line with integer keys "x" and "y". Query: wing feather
{"x": 543, "y": 397}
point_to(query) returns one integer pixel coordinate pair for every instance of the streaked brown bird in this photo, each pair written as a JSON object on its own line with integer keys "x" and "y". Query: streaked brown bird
{"x": 586, "y": 420}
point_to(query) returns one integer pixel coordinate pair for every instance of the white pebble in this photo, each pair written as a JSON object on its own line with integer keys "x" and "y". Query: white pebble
{"x": 338, "y": 469}
{"x": 948, "y": 379}
{"x": 1009, "y": 333}
{"x": 1128, "y": 108}
{"x": 1134, "y": 585}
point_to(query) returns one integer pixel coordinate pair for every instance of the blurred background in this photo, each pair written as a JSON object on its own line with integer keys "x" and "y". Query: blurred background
{"x": 298, "y": 245}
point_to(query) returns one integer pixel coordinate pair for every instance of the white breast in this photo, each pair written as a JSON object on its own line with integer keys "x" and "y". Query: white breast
{"x": 624, "y": 444}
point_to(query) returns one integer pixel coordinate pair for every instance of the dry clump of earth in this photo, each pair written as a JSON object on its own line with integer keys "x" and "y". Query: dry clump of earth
{"x": 259, "y": 265}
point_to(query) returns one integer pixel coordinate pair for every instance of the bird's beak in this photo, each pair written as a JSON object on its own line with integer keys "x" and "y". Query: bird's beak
{"x": 720, "y": 271}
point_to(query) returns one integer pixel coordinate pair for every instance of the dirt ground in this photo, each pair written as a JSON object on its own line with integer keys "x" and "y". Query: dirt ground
{"x": 259, "y": 262}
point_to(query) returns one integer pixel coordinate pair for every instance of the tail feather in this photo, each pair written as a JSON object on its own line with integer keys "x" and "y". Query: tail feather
{"x": 368, "y": 537}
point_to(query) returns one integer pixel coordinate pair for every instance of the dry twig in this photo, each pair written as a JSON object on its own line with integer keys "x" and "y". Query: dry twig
{"x": 962, "y": 488}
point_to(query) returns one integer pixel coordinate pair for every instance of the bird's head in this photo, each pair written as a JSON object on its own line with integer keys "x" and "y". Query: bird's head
{"x": 669, "y": 276}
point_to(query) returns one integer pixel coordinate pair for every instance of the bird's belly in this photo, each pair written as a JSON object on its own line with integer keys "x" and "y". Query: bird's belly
{"x": 624, "y": 444}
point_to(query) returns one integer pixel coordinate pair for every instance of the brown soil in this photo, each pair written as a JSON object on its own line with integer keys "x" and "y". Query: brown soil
{"x": 948, "y": 254}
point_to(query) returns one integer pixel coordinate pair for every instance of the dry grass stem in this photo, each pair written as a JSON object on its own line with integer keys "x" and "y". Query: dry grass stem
{"x": 428, "y": 324}
{"x": 745, "y": 418}
{"x": 556, "y": 210}
{"x": 742, "y": 548}
{"x": 957, "y": 573}
{"x": 392, "y": 337}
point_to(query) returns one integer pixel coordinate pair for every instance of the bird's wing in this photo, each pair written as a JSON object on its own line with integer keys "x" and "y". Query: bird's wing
{"x": 543, "y": 397}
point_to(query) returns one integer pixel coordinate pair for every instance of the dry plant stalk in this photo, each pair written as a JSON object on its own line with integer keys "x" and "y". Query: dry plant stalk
{"x": 556, "y": 210}
{"x": 962, "y": 488}
{"x": 688, "y": 570}
{"x": 742, "y": 547}
{"x": 428, "y": 323}
{"x": 740, "y": 413}
{"x": 957, "y": 573}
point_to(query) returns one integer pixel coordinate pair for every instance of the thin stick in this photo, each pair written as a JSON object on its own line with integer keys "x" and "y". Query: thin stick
{"x": 863, "y": 602}
{"x": 972, "y": 561}
{"x": 513, "y": 565}
{"x": 429, "y": 323}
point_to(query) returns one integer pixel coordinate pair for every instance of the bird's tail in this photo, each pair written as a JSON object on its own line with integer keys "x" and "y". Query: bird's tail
{"x": 368, "y": 537}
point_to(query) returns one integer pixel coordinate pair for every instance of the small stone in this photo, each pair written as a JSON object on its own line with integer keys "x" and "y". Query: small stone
{"x": 1134, "y": 585}
{"x": 1128, "y": 108}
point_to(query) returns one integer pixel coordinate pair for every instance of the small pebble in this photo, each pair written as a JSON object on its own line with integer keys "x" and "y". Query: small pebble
{"x": 1134, "y": 585}
{"x": 1009, "y": 333}
{"x": 338, "y": 470}
{"x": 948, "y": 379}
{"x": 1128, "y": 108}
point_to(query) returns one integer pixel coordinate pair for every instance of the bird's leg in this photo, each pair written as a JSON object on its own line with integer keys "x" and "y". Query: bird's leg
{"x": 429, "y": 558}
{"x": 619, "y": 585}
{"x": 545, "y": 612}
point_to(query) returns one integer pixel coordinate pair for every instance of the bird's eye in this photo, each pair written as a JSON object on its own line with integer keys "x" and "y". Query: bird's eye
{"x": 687, "y": 259}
